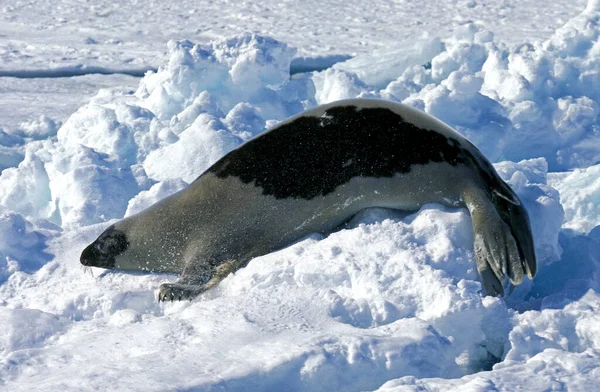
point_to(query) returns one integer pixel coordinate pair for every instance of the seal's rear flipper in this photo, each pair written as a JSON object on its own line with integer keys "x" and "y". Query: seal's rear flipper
{"x": 514, "y": 215}
{"x": 491, "y": 284}
{"x": 496, "y": 251}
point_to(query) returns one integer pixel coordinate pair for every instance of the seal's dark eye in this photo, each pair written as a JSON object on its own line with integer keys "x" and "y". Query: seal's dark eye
{"x": 101, "y": 246}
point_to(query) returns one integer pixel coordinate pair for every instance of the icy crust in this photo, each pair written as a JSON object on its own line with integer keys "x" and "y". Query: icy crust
{"x": 393, "y": 296}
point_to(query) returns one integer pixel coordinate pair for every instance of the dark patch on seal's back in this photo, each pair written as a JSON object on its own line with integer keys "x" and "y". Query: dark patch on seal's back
{"x": 311, "y": 156}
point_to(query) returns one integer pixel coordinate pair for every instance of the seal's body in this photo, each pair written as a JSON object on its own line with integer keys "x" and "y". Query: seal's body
{"x": 309, "y": 174}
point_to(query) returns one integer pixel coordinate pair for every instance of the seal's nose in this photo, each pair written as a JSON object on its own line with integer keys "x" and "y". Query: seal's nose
{"x": 89, "y": 256}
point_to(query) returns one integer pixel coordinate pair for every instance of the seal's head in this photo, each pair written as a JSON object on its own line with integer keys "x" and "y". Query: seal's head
{"x": 102, "y": 252}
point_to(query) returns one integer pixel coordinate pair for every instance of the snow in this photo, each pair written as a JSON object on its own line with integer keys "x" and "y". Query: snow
{"x": 45, "y": 34}
{"x": 390, "y": 302}
{"x": 26, "y": 100}
{"x": 580, "y": 190}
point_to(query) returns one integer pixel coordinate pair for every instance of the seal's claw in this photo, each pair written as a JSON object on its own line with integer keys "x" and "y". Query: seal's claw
{"x": 178, "y": 291}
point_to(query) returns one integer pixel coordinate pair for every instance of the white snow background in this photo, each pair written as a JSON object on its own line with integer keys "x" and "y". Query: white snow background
{"x": 390, "y": 303}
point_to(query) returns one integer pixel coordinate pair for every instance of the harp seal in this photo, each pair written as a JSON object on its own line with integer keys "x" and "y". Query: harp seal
{"x": 309, "y": 174}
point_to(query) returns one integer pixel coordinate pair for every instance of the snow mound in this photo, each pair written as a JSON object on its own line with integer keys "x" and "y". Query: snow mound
{"x": 580, "y": 192}
{"x": 247, "y": 68}
{"x": 543, "y": 345}
{"x": 39, "y": 129}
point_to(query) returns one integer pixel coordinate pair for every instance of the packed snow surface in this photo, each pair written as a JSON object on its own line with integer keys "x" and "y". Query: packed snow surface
{"x": 48, "y": 38}
{"x": 130, "y": 34}
{"x": 391, "y": 302}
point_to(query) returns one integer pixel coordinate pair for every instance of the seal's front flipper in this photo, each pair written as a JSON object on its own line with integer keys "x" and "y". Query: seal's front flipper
{"x": 178, "y": 291}
{"x": 496, "y": 251}
{"x": 190, "y": 286}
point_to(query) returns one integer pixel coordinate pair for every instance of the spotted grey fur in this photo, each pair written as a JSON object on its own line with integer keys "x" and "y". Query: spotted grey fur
{"x": 309, "y": 174}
